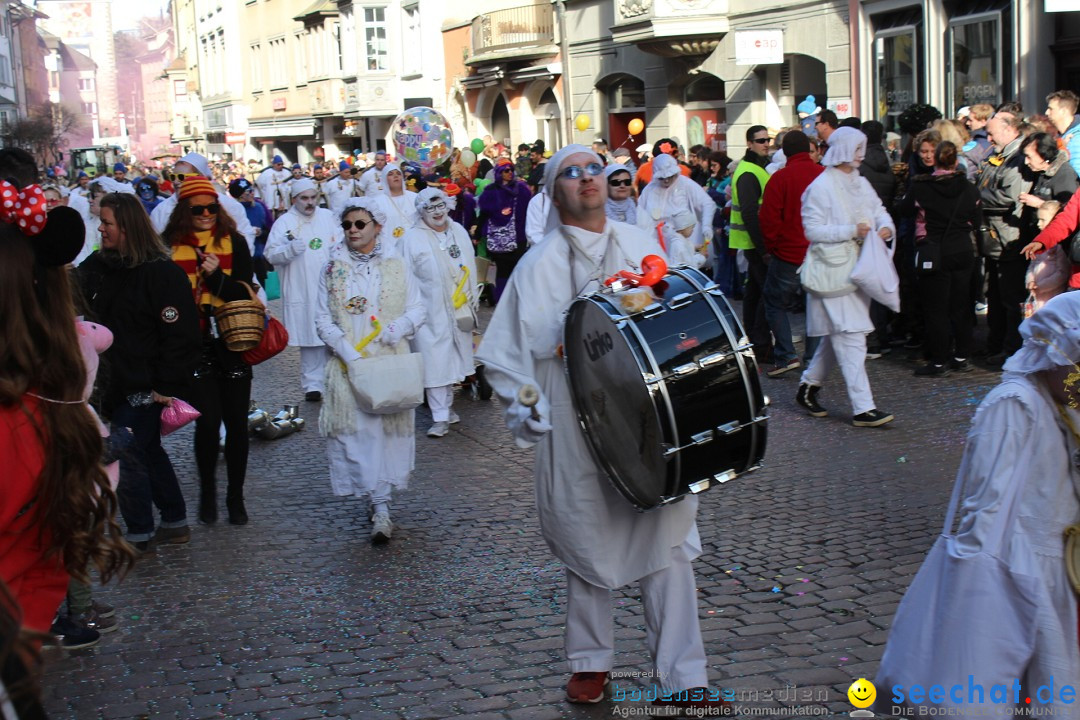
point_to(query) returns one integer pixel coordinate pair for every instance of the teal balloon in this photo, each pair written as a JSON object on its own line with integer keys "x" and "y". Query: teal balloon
{"x": 477, "y": 145}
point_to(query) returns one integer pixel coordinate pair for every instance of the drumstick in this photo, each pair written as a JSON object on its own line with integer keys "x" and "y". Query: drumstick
{"x": 528, "y": 396}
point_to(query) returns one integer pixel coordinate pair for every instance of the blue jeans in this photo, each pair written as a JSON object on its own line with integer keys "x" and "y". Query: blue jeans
{"x": 781, "y": 296}
{"x": 147, "y": 477}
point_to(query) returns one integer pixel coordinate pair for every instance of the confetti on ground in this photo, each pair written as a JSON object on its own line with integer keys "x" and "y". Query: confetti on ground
{"x": 776, "y": 588}
{"x": 902, "y": 459}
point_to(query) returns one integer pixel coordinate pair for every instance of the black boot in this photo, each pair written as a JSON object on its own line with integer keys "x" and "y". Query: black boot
{"x": 807, "y": 397}
{"x": 234, "y": 502}
{"x": 208, "y": 502}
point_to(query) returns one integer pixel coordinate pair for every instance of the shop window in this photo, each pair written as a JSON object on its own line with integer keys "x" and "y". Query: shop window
{"x": 975, "y": 61}
{"x": 896, "y": 73}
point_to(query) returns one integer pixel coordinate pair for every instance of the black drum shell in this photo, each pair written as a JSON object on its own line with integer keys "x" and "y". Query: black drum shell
{"x": 646, "y": 403}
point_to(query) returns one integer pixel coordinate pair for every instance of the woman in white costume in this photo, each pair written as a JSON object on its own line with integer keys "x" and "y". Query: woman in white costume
{"x": 398, "y": 204}
{"x": 668, "y": 195}
{"x": 1017, "y": 490}
{"x": 441, "y": 257}
{"x": 840, "y": 206}
{"x": 369, "y": 455}
{"x": 604, "y": 542}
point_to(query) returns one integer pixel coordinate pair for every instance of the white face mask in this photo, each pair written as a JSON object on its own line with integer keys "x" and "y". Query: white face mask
{"x": 436, "y": 214}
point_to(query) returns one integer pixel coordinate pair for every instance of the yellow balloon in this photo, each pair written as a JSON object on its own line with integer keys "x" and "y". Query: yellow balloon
{"x": 635, "y": 126}
{"x": 582, "y": 122}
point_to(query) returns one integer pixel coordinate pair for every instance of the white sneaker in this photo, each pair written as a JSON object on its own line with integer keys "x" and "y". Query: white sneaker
{"x": 381, "y": 527}
{"x": 439, "y": 429}
{"x": 454, "y": 418}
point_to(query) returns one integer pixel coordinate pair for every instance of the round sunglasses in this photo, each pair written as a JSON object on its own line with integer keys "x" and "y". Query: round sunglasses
{"x": 347, "y": 225}
{"x": 576, "y": 171}
{"x": 627, "y": 182}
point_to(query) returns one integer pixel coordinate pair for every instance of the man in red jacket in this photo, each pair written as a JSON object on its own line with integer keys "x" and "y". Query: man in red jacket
{"x": 785, "y": 243}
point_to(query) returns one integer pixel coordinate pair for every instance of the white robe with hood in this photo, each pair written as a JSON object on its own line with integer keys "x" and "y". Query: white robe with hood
{"x": 300, "y": 262}
{"x": 273, "y": 188}
{"x": 832, "y": 206}
{"x": 587, "y": 524}
{"x": 447, "y": 351}
{"x": 371, "y": 456}
{"x": 663, "y": 204}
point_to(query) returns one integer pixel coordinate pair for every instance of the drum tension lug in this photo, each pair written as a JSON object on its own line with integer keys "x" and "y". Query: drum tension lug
{"x": 729, "y": 428}
{"x": 653, "y": 309}
{"x": 702, "y": 437}
{"x": 700, "y": 486}
{"x": 680, "y": 300}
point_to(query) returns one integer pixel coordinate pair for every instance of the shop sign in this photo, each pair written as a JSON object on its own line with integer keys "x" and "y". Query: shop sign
{"x": 759, "y": 47}
{"x": 278, "y": 103}
{"x": 235, "y": 138}
{"x": 1062, "y": 5}
{"x": 840, "y": 106}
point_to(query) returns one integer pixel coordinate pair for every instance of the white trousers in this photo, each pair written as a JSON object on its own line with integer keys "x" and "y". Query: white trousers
{"x": 672, "y": 631}
{"x": 313, "y": 367}
{"x": 439, "y": 400}
{"x": 848, "y": 350}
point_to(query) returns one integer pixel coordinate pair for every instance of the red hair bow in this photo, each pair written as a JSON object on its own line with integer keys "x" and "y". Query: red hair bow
{"x": 25, "y": 207}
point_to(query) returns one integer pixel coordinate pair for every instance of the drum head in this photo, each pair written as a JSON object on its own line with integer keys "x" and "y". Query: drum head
{"x": 613, "y": 402}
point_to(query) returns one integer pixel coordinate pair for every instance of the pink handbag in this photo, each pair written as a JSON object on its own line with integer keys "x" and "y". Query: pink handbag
{"x": 177, "y": 416}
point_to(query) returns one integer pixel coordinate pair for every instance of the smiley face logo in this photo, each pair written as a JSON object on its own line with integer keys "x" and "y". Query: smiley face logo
{"x": 862, "y": 693}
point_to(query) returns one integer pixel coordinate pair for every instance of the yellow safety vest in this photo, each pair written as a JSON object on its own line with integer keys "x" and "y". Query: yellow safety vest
{"x": 738, "y": 237}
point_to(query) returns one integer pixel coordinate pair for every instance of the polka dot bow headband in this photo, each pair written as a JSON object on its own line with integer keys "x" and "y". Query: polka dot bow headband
{"x": 26, "y": 208}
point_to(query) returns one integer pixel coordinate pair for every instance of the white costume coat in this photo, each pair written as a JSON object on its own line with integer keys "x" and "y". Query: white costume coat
{"x": 338, "y": 191}
{"x": 272, "y": 188}
{"x": 232, "y": 207}
{"x": 536, "y": 218}
{"x": 401, "y": 215}
{"x": 589, "y": 526}
{"x": 1017, "y": 437}
{"x": 93, "y": 238}
{"x": 300, "y": 262}
{"x": 447, "y": 351}
{"x": 831, "y": 207}
{"x": 663, "y": 204}
{"x": 372, "y": 182}
{"x": 378, "y": 455}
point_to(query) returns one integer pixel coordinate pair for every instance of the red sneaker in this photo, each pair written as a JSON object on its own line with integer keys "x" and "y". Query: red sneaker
{"x": 587, "y": 687}
{"x": 703, "y": 701}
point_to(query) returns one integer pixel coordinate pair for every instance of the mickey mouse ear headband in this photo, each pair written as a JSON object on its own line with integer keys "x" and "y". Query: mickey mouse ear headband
{"x": 57, "y": 236}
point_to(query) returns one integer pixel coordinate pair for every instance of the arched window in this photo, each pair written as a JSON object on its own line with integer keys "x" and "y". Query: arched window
{"x": 704, "y": 89}
{"x": 626, "y": 94}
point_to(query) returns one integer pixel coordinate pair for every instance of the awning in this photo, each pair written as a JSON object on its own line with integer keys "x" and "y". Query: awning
{"x": 281, "y": 130}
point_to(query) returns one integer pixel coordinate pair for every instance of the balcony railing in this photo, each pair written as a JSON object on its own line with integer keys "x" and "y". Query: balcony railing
{"x": 512, "y": 28}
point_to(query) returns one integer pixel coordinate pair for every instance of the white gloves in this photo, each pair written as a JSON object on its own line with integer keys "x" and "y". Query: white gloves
{"x": 391, "y": 334}
{"x": 526, "y": 429}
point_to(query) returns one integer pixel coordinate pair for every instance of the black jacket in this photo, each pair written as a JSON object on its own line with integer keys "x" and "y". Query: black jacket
{"x": 151, "y": 313}
{"x": 1058, "y": 182}
{"x": 950, "y": 203}
{"x": 877, "y": 169}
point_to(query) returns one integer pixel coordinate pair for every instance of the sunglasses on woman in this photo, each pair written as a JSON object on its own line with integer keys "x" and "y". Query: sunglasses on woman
{"x": 626, "y": 182}
{"x": 347, "y": 225}
{"x": 575, "y": 171}
{"x": 212, "y": 208}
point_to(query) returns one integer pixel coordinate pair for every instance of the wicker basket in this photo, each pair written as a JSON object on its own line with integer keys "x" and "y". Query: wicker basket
{"x": 241, "y": 322}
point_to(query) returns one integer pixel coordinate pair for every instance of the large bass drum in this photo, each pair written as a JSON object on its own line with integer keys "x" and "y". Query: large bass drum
{"x": 666, "y": 388}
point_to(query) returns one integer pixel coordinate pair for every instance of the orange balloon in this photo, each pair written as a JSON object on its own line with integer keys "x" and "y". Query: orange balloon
{"x": 635, "y": 126}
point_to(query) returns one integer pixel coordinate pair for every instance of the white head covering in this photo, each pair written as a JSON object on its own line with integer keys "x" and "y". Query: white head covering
{"x": 843, "y": 144}
{"x": 301, "y": 185}
{"x": 779, "y": 161}
{"x": 1051, "y": 337}
{"x": 369, "y": 204}
{"x": 664, "y": 166}
{"x": 430, "y": 195}
{"x": 392, "y": 166}
{"x": 615, "y": 168}
{"x": 113, "y": 186}
{"x": 198, "y": 162}
{"x": 551, "y": 172}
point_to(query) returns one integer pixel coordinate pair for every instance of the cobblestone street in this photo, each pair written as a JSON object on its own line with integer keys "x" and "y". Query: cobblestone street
{"x": 298, "y": 616}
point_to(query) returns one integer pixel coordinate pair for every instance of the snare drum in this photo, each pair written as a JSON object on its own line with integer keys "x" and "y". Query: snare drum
{"x": 668, "y": 394}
